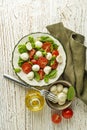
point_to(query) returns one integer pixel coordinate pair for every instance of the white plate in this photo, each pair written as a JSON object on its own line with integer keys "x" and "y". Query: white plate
{"x": 22, "y": 75}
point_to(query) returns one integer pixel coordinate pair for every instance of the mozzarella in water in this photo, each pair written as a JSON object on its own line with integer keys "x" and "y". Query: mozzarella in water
{"x": 49, "y": 56}
{"x": 59, "y": 59}
{"x": 62, "y": 97}
{"x": 38, "y": 44}
{"x": 47, "y": 69}
{"x": 28, "y": 46}
{"x": 30, "y": 75}
{"x": 24, "y": 56}
{"x": 65, "y": 90}
{"x": 59, "y": 87}
{"x": 53, "y": 88}
{"x": 39, "y": 53}
{"x": 35, "y": 67}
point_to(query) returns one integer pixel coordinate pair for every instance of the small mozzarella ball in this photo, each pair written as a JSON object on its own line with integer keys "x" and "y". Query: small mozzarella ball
{"x": 24, "y": 56}
{"x": 39, "y": 53}
{"x": 35, "y": 67}
{"x": 38, "y": 44}
{"x": 47, "y": 69}
{"x": 30, "y": 75}
{"x": 28, "y": 46}
{"x": 61, "y": 103}
{"x": 59, "y": 87}
{"x": 59, "y": 59}
{"x": 53, "y": 88}
{"x": 49, "y": 56}
{"x": 65, "y": 90}
{"x": 62, "y": 97}
{"x": 54, "y": 92}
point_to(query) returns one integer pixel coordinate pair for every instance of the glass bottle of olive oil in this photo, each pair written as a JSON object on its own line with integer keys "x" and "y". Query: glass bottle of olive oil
{"x": 34, "y": 101}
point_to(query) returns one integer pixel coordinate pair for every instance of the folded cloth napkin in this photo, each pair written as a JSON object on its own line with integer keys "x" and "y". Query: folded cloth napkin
{"x": 73, "y": 44}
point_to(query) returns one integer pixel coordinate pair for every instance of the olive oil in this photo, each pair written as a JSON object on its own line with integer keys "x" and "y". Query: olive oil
{"x": 34, "y": 101}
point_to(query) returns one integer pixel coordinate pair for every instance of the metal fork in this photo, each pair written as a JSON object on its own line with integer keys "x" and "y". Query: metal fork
{"x": 47, "y": 94}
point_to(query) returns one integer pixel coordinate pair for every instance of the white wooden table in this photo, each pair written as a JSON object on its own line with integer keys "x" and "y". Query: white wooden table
{"x": 21, "y": 17}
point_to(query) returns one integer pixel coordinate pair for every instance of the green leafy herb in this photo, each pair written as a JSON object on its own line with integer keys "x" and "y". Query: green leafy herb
{"x": 52, "y": 74}
{"x": 20, "y": 62}
{"x": 46, "y": 78}
{"x": 46, "y": 39}
{"x": 32, "y": 41}
{"x": 71, "y": 93}
{"x": 22, "y": 48}
{"x": 36, "y": 57}
{"x": 17, "y": 70}
{"x": 37, "y": 76}
{"x": 55, "y": 46}
{"x": 51, "y": 62}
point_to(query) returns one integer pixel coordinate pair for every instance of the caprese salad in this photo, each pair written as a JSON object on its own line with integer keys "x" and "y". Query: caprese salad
{"x": 39, "y": 58}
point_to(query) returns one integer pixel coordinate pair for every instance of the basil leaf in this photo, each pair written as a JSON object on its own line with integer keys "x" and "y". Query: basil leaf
{"x": 22, "y": 48}
{"x": 71, "y": 93}
{"x": 52, "y": 60}
{"x": 46, "y": 78}
{"x": 37, "y": 76}
{"x": 46, "y": 39}
{"x": 52, "y": 74}
{"x": 20, "y": 62}
{"x": 17, "y": 70}
{"x": 55, "y": 46}
{"x": 36, "y": 57}
{"x": 32, "y": 41}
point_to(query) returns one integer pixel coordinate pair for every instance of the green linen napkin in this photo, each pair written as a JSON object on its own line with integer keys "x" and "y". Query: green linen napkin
{"x": 73, "y": 44}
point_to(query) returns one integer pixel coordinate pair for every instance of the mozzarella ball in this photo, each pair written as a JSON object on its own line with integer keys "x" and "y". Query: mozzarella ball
{"x": 47, "y": 69}
{"x": 24, "y": 56}
{"x": 62, "y": 97}
{"x": 65, "y": 90}
{"x": 49, "y": 56}
{"x": 53, "y": 88}
{"x": 30, "y": 75}
{"x": 28, "y": 46}
{"x": 39, "y": 53}
{"x": 35, "y": 67}
{"x": 38, "y": 44}
{"x": 59, "y": 87}
{"x": 59, "y": 59}
{"x": 54, "y": 92}
{"x": 61, "y": 103}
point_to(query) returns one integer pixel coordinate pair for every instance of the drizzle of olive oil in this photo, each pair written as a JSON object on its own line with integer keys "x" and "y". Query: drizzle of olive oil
{"x": 34, "y": 101}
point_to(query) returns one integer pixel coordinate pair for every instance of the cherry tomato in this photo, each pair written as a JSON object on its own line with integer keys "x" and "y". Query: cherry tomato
{"x": 55, "y": 52}
{"x": 67, "y": 113}
{"x": 26, "y": 67}
{"x": 47, "y": 46}
{"x": 42, "y": 62}
{"x": 54, "y": 65}
{"x": 41, "y": 73}
{"x": 34, "y": 61}
{"x": 56, "y": 118}
{"x": 31, "y": 53}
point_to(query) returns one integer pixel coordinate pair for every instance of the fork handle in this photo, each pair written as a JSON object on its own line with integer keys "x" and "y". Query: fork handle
{"x": 15, "y": 80}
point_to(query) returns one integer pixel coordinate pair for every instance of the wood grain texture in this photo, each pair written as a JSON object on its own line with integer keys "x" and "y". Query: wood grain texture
{"x": 21, "y": 17}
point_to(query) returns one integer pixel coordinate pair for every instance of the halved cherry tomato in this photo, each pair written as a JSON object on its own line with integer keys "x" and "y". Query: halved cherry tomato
{"x": 47, "y": 46}
{"x": 41, "y": 73}
{"x": 26, "y": 67}
{"x": 33, "y": 61}
{"x": 56, "y": 118}
{"x": 54, "y": 65}
{"x": 67, "y": 113}
{"x": 42, "y": 62}
{"x": 55, "y": 52}
{"x": 31, "y": 53}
